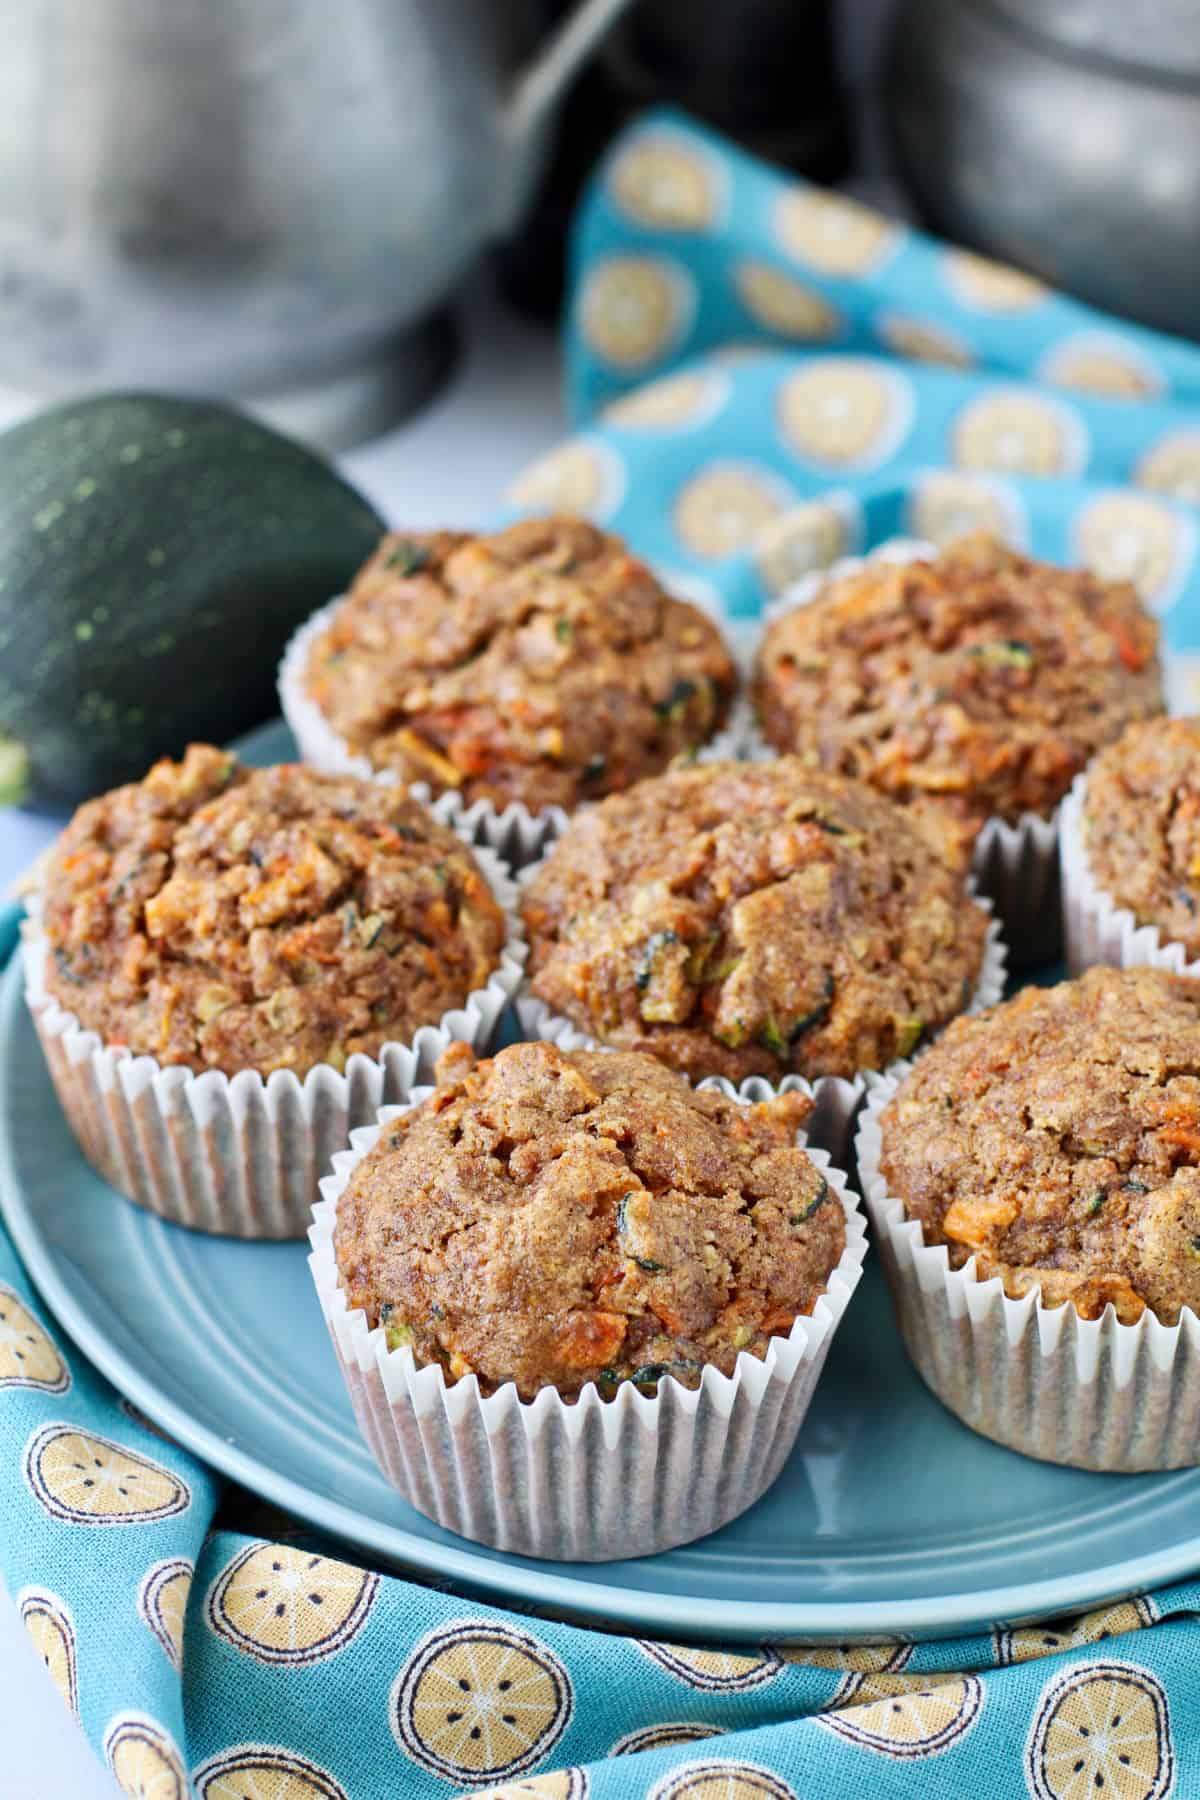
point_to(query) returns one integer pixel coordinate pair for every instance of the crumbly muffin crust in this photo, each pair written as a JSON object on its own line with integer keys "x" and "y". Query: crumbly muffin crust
{"x": 1141, "y": 826}
{"x": 753, "y": 919}
{"x": 972, "y": 686}
{"x": 1057, "y": 1139}
{"x": 229, "y": 918}
{"x": 543, "y": 664}
{"x": 554, "y": 1219}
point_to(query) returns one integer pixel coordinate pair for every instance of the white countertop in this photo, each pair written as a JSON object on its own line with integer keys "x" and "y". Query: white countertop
{"x": 448, "y": 466}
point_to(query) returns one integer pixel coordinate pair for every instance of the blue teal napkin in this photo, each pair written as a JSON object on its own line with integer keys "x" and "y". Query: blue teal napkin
{"x": 795, "y": 412}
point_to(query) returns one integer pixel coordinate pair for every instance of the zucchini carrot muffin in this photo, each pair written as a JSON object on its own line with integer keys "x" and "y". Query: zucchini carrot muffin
{"x": 541, "y": 664}
{"x": 552, "y": 1219}
{"x": 1140, "y": 827}
{"x": 744, "y": 919}
{"x": 973, "y": 686}
{"x": 219, "y": 917}
{"x": 1056, "y": 1139}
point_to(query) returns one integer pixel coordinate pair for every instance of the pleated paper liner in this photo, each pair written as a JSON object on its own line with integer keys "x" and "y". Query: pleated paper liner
{"x": 1096, "y": 929}
{"x": 242, "y": 1154}
{"x": 594, "y": 1480}
{"x": 1092, "y": 1393}
{"x": 1015, "y": 865}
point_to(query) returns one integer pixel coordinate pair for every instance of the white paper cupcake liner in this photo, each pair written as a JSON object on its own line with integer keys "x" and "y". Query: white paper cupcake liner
{"x": 836, "y": 1099}
{"x": 593, "y": 1480}
{"x": 1015, "y": 865}
{"x": 1095, "y": 928}
{"x": 239, "y": 1154}
{"x": 1092, "y": 1393}
{"x": 520, "y": 835}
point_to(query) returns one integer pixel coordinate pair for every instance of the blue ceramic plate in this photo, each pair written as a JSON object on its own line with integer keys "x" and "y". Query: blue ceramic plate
{"x": 889, "y": 1518}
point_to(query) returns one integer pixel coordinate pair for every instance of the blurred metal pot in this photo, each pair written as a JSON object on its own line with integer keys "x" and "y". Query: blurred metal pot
{"x": 1063, "y": 137}
{"x": 255, "y": 197}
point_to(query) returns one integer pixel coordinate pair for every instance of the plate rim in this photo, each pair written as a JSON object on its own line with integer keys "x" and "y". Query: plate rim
{"x": 511, "y": 1578}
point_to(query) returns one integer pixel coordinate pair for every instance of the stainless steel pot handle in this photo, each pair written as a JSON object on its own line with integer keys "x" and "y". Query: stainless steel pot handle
{"x": 540, "y": 84}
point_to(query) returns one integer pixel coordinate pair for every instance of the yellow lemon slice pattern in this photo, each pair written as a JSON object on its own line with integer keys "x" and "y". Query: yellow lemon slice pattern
{"x": 922, "y": 340}
{"x": 86, "y": 1479}
{"x": 563, "y": 1784}
{"x": 991, "y": 287}
{"x": 265, "y": 1772}
{"x": 480, "y": 1701}
{"x": 28, "y": 1355}
{"x": 633, "y": 309}
{"x": 842, "y": 413}
{"x": 578, "y": 477}
{"x": 1032, "y": 1641}
{"x": 783, "y": 304}
{"x": 1101, "y": 1730}
{"x": 722, "y": 1781}
{"x": 667, "y": 404}
{"x": 144, "y": 1761}
{"x": 664, "y": 1737}
{"x": 1017, "y": 434}
{"x": 662, "y": 182}
{"x": 833, "y": 234}
{"x": 162, "y": 1602}
{"x": 857, "y": 1663}
{"x": 723, "y": 508}
{"x": 947, "y": 505}
{"x": 284, "y": 1605}
{"x": 1172, "y": 467}
{"x": 1130, "y": 537}
{"x": 715, "y": 1671}
{"x": 1094, "y": 365}
{"x": 48, "y": 1621}
{"x": 804, "y": 538}
{"x": 910, "y": 1725}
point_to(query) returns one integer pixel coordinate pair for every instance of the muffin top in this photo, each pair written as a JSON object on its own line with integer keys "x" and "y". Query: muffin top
{"x": 1057, "y": 1140}
{"x": 231, "y": 918}
{"x": 753, "y": 919}
{"x": 972, "y": 686}
{"x": 1141, "y": 825}
{"x": 554, "y": 1219}
{"x": 543, "y": 663}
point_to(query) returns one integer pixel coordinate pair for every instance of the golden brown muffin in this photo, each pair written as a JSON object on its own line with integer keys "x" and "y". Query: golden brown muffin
{"x": 973, "y": 686}
{"x": 543, "y": 663}
{"x": 1141, "y": 826}
{"x": 231, "y": 918}
{"x": 753, "y": 919}
{"x": 553, "y": 1219}
{"x": 1056, "y": 1139}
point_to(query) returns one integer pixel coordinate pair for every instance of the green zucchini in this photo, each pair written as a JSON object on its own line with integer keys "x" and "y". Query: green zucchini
{"x": 156, "y": 553}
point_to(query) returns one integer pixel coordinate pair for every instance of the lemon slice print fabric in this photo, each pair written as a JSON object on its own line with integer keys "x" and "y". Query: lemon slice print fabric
{"x": 633, "y": 309}
{"x": 29, "y": 1357}
{"x": 162, "y": 1602}
{"x": 1056, "y": 1635}
{"x": 664, "y": 1737}
{"x": 991, "y": 287}
{"x": 924, "y": 340}
{"x": 265, "y": 1772}
{"x": 86, "y": 1479}
{"x": 906, "y": 1726}
{"x": 857, "y": 1663}
{"x": 47, "y": 1619}
{"x": 1018, "y": 433}
{"x": 670, "y": 403}
{"x": 842, "y": 413}
{"x": 144, "y": 1761}
{"x": 832, "y": 234}
{"x": 579, "y": 477}
{"x": 1172, "y": 467}
{"x": 722, "y": 1781}
{"x": 1101, "y": 1732}
{"x": 1095, "y": 364}
{"x": 946, "y": 505}
{"x": 1130, "y": 537}
{"x": 722, "y": 509}
{"x": 284, "y": 1605}
{"x": 714, "y": 1671}
{"x": 563, "y": 1784}
{"x": 804, "y": 538}
{"x": 665, "y": 183}
{"x": 783, "y": 304}
{"x": 478, "y": 1701}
